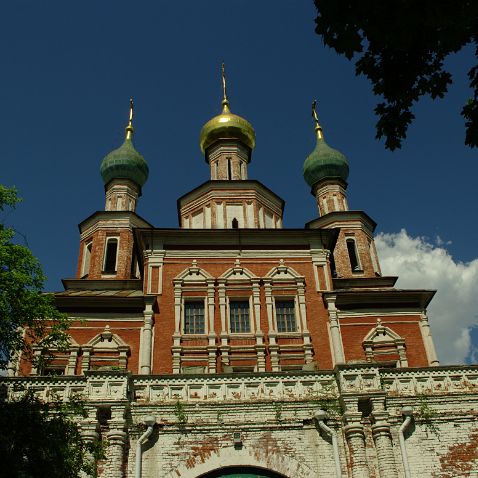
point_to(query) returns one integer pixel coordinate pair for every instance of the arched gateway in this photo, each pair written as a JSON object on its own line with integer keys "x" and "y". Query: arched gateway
{"x": 241, "y": 472}
{"x": 243, "y": 463}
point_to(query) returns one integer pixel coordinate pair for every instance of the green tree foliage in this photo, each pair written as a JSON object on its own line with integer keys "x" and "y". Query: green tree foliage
{"x": 27, "y": 316}
{"x": 400, "y": 46}
{"x": 42, "y": 439}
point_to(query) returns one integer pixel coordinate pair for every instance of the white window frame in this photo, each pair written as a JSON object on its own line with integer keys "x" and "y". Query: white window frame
{"x": 286, "y": 298}
{"x": 202, "y": 299}
{"x": 108, "y": 239}
{"x": 238, "y": 298}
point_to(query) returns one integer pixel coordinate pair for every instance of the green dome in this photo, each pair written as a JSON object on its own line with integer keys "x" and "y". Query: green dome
{"x": 124, "y": 163}
{"x": 325, "y": 163}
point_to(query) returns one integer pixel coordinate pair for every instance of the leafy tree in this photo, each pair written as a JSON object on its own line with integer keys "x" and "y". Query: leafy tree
{"x": 400, "y": 46}
{"x": 27, "y": 316}
{"x": 42, "y": 439}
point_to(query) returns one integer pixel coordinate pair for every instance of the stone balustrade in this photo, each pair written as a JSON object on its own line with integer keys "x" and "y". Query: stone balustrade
{"x": 357, "y": 379}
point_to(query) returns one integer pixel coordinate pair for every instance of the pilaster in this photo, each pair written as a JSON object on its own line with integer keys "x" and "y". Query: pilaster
{"x": 428, "y": 341}
{"x": 383, "y": 444}
{"x": 355, "y": 436}
{"x": 147, "y": 338}
{"x": 335, "y": 335}
{"x": 89, "y": 433}
{"x": 117, "y": 438}
{"x": 211, "y": 348}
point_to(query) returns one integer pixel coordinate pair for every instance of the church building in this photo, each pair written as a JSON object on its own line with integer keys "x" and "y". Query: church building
{"x": 231, "y": 346}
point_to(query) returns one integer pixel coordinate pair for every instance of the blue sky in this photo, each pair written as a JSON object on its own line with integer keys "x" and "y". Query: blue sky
{"x": 69, "y": 68}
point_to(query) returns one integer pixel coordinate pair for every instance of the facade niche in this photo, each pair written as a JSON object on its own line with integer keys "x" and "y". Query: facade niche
{"x": 382, "y": 344}
{"x": 105, "y": 351}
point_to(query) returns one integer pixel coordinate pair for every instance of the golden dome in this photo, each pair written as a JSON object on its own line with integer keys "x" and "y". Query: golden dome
{"x": 227, "y": 126}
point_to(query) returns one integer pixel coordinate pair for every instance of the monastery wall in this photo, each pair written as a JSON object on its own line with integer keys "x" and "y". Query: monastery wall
{"x": 205, "y": 423}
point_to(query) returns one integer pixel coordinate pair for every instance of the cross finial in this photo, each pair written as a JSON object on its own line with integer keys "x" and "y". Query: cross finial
{"x": 224, "y": 92}
{"x": 318, "y": 128}
{"x": 129, "y": 128}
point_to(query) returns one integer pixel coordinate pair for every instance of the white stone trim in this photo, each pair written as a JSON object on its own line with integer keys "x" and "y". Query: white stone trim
{"x": 336, "y": 344}
{"x": 428, "y": 341}
{"x": 382, "y": 335}
{"x": 285, "y": 465}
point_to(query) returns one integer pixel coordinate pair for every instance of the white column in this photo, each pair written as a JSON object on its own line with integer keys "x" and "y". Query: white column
{"x": 273, "y": 347}
{"x": 260, "y": 347}
{"x": 86, "y": 359}
{"x": 147, "y": 339}
{"x": 89, "y": 433}
{"x": 428, "y": 341}
{"x": 355, "y": 436}
{"x": 224, "y": 333}
{"x": 336, "y": 345}
{"x": 73, "y": 357}
{"x": 176, "y": 348}
{"x": 303, "y": 316}
{"x": 383, "y": 445}
{"x": 116, "y": 437}
{"x": 211, "y": 333}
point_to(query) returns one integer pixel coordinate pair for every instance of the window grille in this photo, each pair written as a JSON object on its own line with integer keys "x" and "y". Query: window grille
{"x": 285, "y": 316}
{"x": 194, "y": 318}
{"x": 239, "y": 320}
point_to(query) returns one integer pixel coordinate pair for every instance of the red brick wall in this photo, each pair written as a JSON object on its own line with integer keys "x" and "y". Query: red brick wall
{"x": 354, "y": 330}
{"x": 341, "y": 255}
{"x": 125, "y": 252}
{"x": 164, "y": 320}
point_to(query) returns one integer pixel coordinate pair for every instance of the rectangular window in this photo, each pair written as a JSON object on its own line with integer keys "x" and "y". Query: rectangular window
{"x": 239, "y": 321}
{"x": 194, "y": 318}
{"x": 285, "y": 316}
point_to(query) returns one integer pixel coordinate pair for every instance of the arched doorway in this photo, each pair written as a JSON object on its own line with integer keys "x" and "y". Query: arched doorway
{"x": 241, "y": 472}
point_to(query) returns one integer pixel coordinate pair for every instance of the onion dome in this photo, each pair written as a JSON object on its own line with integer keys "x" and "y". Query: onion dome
{"x": 226, "y": 126}
{"x": 125, "y": 162}
{"x": 324, "y": 162}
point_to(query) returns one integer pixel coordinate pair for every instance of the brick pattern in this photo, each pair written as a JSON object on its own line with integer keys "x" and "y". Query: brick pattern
{"x": 124, "y": 254}
{"x": 362, "y": 240}
{"x": 384, "y": 449}
{"x": 330, "y": 197}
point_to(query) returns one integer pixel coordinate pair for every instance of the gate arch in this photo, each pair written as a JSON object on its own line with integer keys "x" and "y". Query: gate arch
{"x": 241, "y": 472}
{"x": 229, "y": 458}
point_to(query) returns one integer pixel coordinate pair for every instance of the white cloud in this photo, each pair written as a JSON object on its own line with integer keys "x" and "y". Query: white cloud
{"x": 453, "y": 312}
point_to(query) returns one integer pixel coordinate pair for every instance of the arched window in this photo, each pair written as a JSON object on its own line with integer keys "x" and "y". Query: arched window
{"x": 353, "y": 256}
{"x": 87, "y": 259}
{"x": 235, "y": 223}
{"x": 111, "y": 250}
